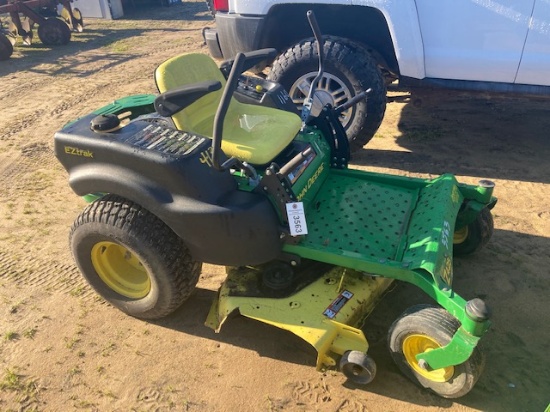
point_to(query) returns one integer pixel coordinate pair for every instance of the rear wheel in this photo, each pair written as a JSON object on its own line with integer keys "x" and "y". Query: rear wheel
{"x": 349, "y": 70}
{"x": 474, "y": 236}
{"x": 6, "y": 48}
{"x": 132, "y": 259}
{"x": 54, "y": 32}
{"x": 423, "y": 328}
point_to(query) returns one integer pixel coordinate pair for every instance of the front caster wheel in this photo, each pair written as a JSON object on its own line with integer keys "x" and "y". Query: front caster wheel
{"x": 132, "y": 259}
{"x": 423, "y": 328}
{"x": 474, "y": 236}
{"x": 358, "y": 367}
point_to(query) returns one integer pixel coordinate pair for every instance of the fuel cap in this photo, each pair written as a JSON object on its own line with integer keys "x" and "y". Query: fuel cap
{"x": 105, "y": 123}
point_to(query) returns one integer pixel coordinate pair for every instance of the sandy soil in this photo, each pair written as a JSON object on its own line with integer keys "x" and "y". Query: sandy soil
{"x": 62, "y": 348}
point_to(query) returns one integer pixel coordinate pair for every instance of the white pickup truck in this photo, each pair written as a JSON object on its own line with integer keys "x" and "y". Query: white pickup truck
{"x": 482, "y": 45}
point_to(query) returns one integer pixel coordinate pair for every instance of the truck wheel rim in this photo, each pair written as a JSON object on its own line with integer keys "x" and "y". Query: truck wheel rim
{"x": 460, "y": 235}
{"x": 416, "y": 344}
{"x": 121, "y": 270}
{"x": 330, "y": 89}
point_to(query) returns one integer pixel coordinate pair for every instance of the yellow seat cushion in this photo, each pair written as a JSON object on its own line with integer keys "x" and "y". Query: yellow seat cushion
{"x": 251, "y": 133}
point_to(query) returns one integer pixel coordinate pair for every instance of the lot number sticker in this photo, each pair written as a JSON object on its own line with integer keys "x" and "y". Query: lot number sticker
{"x": 296, "y": 218}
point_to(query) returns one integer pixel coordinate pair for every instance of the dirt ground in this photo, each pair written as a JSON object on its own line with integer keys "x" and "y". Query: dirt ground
{"x": 62, "y": 348}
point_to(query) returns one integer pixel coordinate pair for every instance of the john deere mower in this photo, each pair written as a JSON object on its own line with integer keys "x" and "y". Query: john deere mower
{"x": 220, "y": 168}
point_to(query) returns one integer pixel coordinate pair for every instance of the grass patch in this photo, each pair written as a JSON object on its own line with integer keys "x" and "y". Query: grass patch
{"x": 12, "y": 381}
{"x": 75, "y": 371}
{"x": 79, "y": 291}
{"x": 30, "y": 333}
{"x": 107, "y": 350}
{"x": 71, "y": 343}
{"x": 11, "y": 335}
{"x": 424, "y": 134}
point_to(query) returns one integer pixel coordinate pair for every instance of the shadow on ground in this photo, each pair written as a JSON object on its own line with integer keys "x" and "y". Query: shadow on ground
{"x": 515, "y": 376}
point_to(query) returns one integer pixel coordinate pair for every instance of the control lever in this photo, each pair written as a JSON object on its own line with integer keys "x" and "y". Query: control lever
{"x": 308, "y": 102}
{"x": 352, "y": 102}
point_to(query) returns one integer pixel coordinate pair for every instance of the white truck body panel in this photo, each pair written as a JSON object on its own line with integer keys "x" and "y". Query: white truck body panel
{"x": 474, "y": 40}
{"x": 256, "y": 7}
{"x": 400, "y": 15}
{"x": 405, "y": 31}
{"x": 535, "y": 62}
{"x": 505, "y": 41}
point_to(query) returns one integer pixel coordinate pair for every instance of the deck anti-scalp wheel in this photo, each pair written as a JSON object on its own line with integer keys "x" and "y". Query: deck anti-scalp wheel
{"x": 474, "y": 236}
{"x": 358, "y": 367}
{"x": 423, "y": 328}
{"x": 6, "y": 48}
{"x": 54, "y": 32}
{"x": 132, "y": 259}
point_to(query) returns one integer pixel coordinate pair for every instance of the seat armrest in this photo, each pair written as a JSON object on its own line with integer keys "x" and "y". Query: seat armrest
{"x": 172, "y": 101}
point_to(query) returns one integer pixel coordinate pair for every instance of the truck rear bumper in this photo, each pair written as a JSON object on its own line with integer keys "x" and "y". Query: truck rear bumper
{"x": 234, "y": 33}
{"x": 210, "y": 37}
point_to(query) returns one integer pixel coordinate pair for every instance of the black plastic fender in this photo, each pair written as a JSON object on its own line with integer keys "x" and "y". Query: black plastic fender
{"x": 170, "y": 173}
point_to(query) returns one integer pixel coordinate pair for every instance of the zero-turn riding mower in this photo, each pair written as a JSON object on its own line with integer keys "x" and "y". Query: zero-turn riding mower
{"x": 219, "y": 168}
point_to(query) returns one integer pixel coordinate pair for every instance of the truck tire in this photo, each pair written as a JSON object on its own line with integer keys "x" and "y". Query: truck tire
{"x": 349, "y": 69}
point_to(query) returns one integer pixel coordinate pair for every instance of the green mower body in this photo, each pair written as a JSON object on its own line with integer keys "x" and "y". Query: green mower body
{"x": 310, "y": 244}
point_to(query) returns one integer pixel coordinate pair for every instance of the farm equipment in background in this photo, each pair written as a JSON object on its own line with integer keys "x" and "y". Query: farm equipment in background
{"x": 53, "y": 28}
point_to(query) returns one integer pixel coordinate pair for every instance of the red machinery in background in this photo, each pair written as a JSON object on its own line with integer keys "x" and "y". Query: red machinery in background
{"x": 53, "y": 28}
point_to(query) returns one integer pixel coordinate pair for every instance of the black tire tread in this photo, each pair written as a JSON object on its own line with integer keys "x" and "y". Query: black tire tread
{"x": 480, "y": 232}
{"x": 65, "y": 32}
{"x": 141, "y": 224}
{"x": 355, "y": 58}
{"x": 436, "y": 322}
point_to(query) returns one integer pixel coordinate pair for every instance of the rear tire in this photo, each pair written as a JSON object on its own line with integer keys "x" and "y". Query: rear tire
{"x": 132, "y": 259}
{"x": 422, "y": 328}
{"x": 349, "y": 70}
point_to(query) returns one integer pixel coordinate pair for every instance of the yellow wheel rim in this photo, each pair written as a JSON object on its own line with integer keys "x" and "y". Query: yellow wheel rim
{"x": 416, "y": 344}
{"x": 460, "y": 235}
{"x": 121, "y": 270}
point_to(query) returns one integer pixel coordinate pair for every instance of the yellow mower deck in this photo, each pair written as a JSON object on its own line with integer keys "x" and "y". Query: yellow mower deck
{"x": 328, "y": 313}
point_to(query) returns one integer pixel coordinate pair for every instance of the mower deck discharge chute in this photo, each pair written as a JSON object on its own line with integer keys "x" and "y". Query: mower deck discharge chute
{"x": 219, "y": 168}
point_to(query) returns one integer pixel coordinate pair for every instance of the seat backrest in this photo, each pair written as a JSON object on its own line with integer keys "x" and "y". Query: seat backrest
{"x": 189, "y": 69}
{"x": 251, "y": 133}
